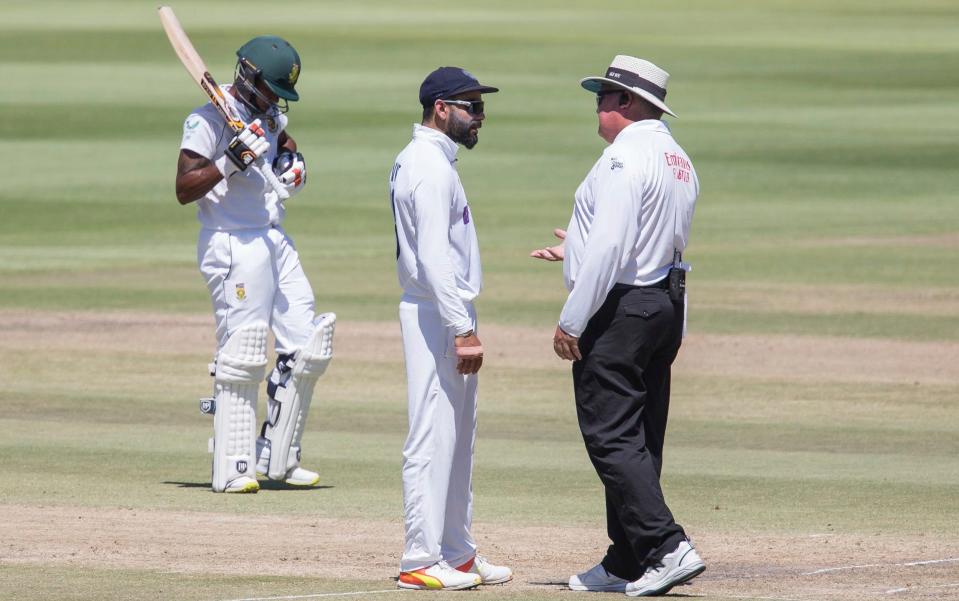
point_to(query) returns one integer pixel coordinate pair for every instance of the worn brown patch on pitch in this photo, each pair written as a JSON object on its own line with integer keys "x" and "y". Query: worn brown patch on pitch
{"x": 833, "y": 299}
{"x": 771, "y": 356}
{"x": 841, "y": 566}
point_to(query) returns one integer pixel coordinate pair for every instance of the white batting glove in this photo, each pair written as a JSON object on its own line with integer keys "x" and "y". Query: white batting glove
{"x": 294, "y": 178}
{"x": 245, "y": 148}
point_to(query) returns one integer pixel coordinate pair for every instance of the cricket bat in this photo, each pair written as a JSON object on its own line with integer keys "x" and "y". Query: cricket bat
{"x": 194, "y": 65}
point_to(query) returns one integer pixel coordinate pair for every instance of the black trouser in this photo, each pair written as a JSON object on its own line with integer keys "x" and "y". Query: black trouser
{"x": 622, "y": 400}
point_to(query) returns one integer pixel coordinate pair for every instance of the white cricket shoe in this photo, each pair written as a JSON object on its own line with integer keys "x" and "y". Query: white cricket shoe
{"x": 597, "y": 579}
{"x": 488, "y": 573}
{"x": 297, "y": 476}
{"x": 243, "y": 484}
{"x": 679, "y": 566}
{"x": 439, "y": 576}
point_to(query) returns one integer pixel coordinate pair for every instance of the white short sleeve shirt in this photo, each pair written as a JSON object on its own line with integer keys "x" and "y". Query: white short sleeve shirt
{"x": 244, "y": 200}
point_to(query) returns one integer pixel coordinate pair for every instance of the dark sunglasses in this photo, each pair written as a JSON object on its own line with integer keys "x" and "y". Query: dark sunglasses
{"x": 602, "y": 93}
{"x": 473, "y": 107}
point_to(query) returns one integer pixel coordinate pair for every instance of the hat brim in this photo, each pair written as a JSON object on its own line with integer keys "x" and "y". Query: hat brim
{"x": 595, "y": 84}
{"x": 474, "y": 88}
{"x": 285, "y": 93}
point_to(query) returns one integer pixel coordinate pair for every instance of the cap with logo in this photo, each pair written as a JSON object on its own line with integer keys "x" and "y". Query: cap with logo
{"x": 635, "y": 75}
{"x": 275, "y": 61}
{"x": 447, "y": 82}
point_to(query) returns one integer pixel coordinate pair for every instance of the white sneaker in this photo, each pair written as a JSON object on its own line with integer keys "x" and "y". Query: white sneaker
{"x": 243, "y": 484}
{"x": 297, "y": 476}
{"x": 681, "y": 565}
{"x": 439, "y": 576}
{"x": 488, "y": 573}
{"x": 597, "y": 579}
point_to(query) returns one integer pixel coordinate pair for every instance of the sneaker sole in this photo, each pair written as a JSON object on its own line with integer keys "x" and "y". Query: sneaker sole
{"x": 500, "y": 581}
{"x": 303, "y": 482}
{"x": 606, "y": 588}
{"x": 681, "y": 577}
{"x": 421, "y": 587}
{"x": 248, "y": 488}
{"x": 314, "y": 482}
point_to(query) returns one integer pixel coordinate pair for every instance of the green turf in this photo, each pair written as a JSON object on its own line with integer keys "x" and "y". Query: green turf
{"x": 65, "y": 584}
{"x": 824, "y": 134}
{"x": 752, "y": 447}
{"x": 797, "y": 136}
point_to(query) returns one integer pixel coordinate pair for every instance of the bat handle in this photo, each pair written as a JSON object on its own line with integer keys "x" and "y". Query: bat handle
{"x": 267, "y": 172}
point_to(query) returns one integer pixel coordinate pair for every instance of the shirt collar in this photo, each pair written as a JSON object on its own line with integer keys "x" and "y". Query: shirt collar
{"x": 438, "y": 138}
{"x": 645, "y": 125}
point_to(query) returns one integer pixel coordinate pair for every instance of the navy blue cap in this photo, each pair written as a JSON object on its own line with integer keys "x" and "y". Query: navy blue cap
{"x": 446, "y": 82}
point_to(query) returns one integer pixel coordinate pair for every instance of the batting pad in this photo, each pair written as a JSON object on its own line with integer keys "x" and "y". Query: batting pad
{"x": 291, "y": 401}
{"x": 240, "y": 366}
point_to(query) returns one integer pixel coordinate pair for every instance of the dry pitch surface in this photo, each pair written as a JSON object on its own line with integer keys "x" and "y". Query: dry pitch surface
{"x": 741, "y": 565}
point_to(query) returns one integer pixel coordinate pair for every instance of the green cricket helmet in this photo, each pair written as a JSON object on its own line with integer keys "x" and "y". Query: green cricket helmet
{"x": 272, "y": 59}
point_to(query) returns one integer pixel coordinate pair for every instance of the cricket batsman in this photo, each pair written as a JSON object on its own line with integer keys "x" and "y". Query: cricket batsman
{"x": 253, "y": 272}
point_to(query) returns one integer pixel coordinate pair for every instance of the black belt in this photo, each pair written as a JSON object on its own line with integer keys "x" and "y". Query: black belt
{"x": 662, "y": 284}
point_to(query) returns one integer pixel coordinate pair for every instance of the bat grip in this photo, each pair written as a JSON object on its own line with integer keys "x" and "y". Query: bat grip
{"x": 267, "y": 172}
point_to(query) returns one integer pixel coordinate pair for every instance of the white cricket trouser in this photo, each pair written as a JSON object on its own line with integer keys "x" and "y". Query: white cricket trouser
{"x": 255, "y": 275}
{"x": 438, "y": 454}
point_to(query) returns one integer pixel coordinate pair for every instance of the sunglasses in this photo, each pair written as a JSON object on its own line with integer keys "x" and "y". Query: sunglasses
{"x": 602, "y": 93}
{"x": 473, "y": 107}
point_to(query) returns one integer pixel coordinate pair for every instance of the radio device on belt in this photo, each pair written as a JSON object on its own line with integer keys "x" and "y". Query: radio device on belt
{"x": 677, "y": 278}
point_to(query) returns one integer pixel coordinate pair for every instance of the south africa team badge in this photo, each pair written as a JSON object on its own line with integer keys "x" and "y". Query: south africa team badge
{"x": 240, "y": 292}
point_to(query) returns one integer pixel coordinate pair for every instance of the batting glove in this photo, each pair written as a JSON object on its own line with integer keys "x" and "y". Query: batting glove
{"x": 245, "y": 148}
{"x": 292, "y": 171}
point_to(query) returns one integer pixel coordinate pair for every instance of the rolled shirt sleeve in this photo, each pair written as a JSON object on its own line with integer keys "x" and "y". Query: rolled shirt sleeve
{"x": 431, "y": 205}
{"x": 611, "y": 242}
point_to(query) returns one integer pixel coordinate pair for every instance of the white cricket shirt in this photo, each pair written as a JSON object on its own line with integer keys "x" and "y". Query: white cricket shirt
{"x": 244, "y": 200}
{"x": 629, "y": 214}
{"x": 437, "y": 251}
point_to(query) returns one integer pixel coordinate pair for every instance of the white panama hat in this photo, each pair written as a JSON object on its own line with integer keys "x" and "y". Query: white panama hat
{"x": 635, "y": 75}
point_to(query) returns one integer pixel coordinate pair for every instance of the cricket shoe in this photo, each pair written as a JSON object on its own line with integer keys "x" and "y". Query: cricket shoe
{"x": 438, "y": 577}
{"x": 488, "y": 573}
{"x": 243, "y": 484}
{"x": 679, "y": 566}
{"x": 597, "y": 579}
{"x": 297, "y": 476}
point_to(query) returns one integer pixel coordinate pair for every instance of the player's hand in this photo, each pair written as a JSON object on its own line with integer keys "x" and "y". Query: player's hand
{"x": 552, "y": 253}
{"x": 246, "y": 147}
{"x": 294, "y": 178}
{"x": 566, "y": 346}
{"x": 469, "y": 354}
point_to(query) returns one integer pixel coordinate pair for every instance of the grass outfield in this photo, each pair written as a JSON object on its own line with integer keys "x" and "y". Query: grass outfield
{"x": 815, "y": 418}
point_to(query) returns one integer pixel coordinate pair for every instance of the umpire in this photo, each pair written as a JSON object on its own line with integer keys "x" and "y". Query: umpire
{"x": 623, "y": 323}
